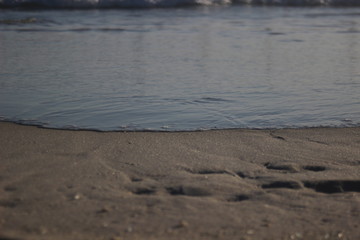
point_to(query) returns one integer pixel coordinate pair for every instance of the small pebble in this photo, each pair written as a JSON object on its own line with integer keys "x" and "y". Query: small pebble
{"x": 43, "y": 230}
{"x": 77, "y": 196}
{"x": 104, "y": 210}
{"x": 250, "y": 232}
{"x": 105, "y": 224}
{"x": 183, "y": 224}
{"x": 265, "y": 225}
{"x": 116, "y": 238}
{"x": 296, "y": 236}
{"x": 246, "y": 238}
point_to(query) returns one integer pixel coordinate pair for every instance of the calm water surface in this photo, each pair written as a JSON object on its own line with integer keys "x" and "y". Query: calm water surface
{"x": 181, "y": 68}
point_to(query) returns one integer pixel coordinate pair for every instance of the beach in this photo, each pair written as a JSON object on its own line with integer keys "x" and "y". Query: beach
{"x": 218, "y": 184}
{"x": 185, "y": 119}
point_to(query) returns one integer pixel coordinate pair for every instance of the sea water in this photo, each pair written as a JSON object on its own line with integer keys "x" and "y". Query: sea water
{"x": 102, "y": 65}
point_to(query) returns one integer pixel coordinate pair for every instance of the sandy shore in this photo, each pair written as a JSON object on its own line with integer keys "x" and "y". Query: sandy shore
{"x": 229, "y": 184}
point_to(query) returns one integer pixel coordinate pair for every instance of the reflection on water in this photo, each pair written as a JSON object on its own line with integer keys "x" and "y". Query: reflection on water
{"x": 352, "y": 43}
{"x": 181, "y": 69}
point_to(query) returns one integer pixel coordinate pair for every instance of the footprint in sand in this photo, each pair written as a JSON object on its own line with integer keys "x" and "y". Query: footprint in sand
{"x": 334, "y": 186}
{"x": 314, "y": 168}
{"x": 282, "y": 184}
{"x": 188, "y": 191}
{"x": 238, "y": 198}
{"x": 293, "y": 168}
{"x": 11, "y": 203}
{"x": 10, "y": 188}
{"x": 210, "y": 171}
{"x": 282, "y": 167}
{"x": 144, "y": 191}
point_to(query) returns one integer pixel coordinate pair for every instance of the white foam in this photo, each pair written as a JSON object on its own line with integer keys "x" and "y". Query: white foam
{"x": 300, "y": 2}
{"x": 162, "y": 3}
{"x": 108, "y": 3}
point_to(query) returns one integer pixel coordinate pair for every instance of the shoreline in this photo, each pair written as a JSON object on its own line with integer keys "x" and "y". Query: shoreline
{"x": 299, "y": 183}
{"x": 160, "y": 5}
{"x": 80, "y": 129}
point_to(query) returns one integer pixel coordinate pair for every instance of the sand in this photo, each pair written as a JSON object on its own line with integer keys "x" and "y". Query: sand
{"x": 226, "y": 184}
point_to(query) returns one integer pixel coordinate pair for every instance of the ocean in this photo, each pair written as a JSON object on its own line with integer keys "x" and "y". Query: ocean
{"x": 180, "y": 65}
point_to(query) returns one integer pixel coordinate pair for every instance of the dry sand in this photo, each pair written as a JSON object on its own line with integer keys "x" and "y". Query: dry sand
{"x": 228, "y": 184}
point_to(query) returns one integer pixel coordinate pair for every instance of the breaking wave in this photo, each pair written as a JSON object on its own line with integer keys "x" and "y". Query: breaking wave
{"x": 164, "y": 3}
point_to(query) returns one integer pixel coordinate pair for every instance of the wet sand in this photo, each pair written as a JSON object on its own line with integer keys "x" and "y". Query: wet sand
{"x": 226, "y": 184}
